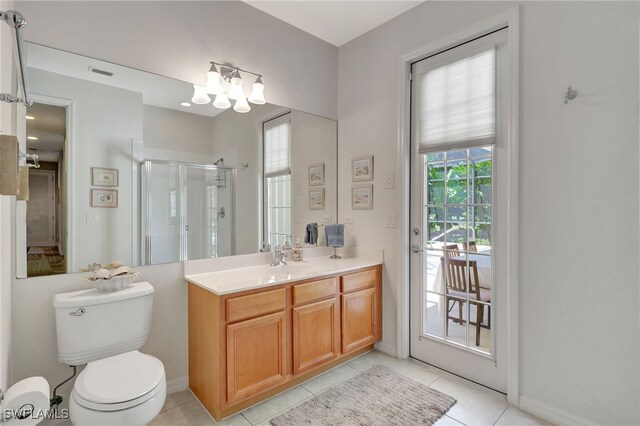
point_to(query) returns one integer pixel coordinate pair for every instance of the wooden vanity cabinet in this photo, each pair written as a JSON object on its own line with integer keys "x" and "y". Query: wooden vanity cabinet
{"x": 316, "y": 325}
{"x": 245, "y": 347}
{"x": 360, "y": 310}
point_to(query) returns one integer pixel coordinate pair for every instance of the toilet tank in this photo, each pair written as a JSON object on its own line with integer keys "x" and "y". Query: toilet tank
{"x": 92, "y": 325}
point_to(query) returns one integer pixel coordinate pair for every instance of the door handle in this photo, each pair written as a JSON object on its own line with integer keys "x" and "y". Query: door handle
{"x": 416, "y": 248}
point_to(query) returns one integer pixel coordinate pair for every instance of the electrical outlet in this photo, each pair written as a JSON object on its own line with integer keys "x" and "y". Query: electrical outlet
{"x": 92, "y": 218}
{"x": 348, "y": 219}
{"x": 392, "y": 221}
{"x": 388, "y": 181}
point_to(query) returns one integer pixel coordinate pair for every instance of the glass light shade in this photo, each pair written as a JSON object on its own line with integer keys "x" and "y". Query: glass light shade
{"x": 257, "y": 93}
{"x": 200, "y": 95}
{"x": 213, "y": 82}
{"x": 221, "y": 101}
{"x": 236, "y": 91}
{"x": 241, "y": 105}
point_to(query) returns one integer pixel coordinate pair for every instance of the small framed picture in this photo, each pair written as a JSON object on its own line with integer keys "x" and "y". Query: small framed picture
{"x": 362, "y": 197}
{"x": 316, "y": 199}
{"x": 362, "y": 168}
{"x": 104, "y": 177}
{"x": 104, "y": 198}
{"x": 316, "y": 174}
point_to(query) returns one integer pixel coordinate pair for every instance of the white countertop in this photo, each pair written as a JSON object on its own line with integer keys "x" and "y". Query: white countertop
{"x": 263, "y": 276}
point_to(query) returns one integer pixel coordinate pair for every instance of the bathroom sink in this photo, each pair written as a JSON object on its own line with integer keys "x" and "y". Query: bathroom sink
{"x": 294, "y": 269}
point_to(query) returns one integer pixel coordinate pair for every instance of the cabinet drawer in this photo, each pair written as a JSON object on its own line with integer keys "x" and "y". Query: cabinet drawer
{"x": 315, "y": 290}
{"x": 359, "y": 280}
{"x": 253, "y": 305}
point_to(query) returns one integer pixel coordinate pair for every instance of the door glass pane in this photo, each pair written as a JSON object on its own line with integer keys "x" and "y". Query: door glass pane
{"x": 457, "y": 260}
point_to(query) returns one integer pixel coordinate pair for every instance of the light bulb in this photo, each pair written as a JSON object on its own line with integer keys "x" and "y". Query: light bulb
{"x": 200, "y": 95}
{"x": 241, "y": 105}
{"x": 213, "y": 80}
{"x": 236, "y": 91}
{"x": 221, "y": 101}
{"x": 257, "y": 93}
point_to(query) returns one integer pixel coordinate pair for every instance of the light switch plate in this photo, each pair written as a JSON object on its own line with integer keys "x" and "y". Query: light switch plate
{"x": 348, "y": 219}
{"x": 388, "y": 181}
{"x": 392, "y": 221}
{"x": 92, "y": 218}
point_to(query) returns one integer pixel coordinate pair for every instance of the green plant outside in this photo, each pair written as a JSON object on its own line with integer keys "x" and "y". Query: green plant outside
{"x": 468, "y": 193}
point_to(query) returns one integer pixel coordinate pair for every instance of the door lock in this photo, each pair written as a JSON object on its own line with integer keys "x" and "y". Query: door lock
{"x": 415, "y": 230}
{"x": 416, "y": 248}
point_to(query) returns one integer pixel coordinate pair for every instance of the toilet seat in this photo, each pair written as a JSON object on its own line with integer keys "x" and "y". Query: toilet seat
{"x": 119, "y": 382}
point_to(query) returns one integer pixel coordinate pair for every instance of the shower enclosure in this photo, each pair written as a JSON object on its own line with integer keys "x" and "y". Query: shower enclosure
{"x": 187, "y": 211}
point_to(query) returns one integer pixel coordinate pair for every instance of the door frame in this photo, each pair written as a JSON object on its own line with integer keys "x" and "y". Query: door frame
{"x": 510, "y": 18}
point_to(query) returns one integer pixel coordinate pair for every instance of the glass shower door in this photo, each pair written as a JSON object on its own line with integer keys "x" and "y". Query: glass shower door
{"x": 188, "y": 212}
{"x": 162, "y": 240}
{"x": 209, "y": 212}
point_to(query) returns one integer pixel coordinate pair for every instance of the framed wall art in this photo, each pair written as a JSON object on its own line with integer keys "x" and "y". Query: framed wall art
{"x": 104, "y": 198}
{"x": 316, "y": 174}
{"x": 362, "y": 168}
{"x": 316, "y": 199}
{"x": 362, "y": 197}
{"x": 103, "y": 177}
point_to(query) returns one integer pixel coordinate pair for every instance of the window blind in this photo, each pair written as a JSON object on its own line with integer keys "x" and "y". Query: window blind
{"x": 277, "y": 147}
{"x": 458, "y": 104}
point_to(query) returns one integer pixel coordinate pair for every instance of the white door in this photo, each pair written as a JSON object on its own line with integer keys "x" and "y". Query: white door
{"x": 458, "y": 219}
{"x": 41, "y": 209}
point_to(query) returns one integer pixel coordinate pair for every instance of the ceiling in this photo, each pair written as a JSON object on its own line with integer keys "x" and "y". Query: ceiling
{"x": 336, "y": 22}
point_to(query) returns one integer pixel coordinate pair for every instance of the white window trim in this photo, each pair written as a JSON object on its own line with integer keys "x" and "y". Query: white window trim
{"x": 510, "y": 18}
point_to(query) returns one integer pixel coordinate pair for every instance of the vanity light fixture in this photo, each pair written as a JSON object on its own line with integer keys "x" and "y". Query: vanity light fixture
{"x": 32, "y": 138}
{"x": 30, "y": 117}
{"x": 225, "y": 81}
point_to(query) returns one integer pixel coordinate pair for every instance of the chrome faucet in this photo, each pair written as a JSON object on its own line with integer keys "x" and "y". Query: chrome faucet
{"x": 278, "y": 256}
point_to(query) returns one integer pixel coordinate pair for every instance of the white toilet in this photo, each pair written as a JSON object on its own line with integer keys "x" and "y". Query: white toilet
{"x": 104, "y": 330}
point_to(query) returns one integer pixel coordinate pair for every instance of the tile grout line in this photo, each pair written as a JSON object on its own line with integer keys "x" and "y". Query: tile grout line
{"x": 176, "y": 406}
{"x": 501, "y": 414}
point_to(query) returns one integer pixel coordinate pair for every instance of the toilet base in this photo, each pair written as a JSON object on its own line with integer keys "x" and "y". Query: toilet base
{"x": 141, "y": 414}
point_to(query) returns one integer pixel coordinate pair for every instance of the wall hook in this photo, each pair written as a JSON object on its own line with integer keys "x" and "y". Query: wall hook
{"x": 570, "y": 95}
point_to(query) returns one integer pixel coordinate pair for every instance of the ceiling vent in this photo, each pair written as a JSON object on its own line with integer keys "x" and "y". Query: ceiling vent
{"x": 101, "y": 72}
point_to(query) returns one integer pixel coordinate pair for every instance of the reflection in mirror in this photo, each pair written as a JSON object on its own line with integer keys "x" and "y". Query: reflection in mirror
{"x": 132, "y": 171}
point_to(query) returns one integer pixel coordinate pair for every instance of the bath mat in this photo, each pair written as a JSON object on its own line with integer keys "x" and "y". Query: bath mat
{"x": 376, "y": 397}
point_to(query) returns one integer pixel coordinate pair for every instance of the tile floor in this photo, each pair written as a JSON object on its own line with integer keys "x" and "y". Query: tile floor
{"x": 476, "y": 405}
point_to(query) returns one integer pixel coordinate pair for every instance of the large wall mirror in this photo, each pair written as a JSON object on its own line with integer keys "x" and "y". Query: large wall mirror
{"x": 130, "y": 170}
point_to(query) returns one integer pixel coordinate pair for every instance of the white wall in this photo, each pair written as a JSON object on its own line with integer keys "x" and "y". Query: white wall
{"x": 179, "y": 38}
{"x": 176, "y": 39}
{"x": 96, "y": 142}
{"x": 578, "y": 176}
{"x": 173, "y": 130}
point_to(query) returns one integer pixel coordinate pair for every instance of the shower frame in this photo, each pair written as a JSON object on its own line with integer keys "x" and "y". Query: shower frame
{"x": 146, "y": 257}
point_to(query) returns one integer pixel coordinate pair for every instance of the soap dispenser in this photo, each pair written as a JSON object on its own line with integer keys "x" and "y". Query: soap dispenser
{"x": 297, "y": 251}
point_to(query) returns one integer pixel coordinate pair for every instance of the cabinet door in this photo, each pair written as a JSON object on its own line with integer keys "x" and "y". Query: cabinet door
{"x": 359, "y": 314}
{"x": 316, "y": 334}
{"x": 255, "y": 355}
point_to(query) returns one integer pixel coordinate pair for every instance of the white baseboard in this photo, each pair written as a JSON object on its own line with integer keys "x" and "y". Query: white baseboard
{"x": 551, "y": 414}
{"x": 178, "y": 384}
{"x": 386, "y": 349}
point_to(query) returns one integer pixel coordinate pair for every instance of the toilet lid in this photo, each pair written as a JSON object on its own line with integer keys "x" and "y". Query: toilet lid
{"x": 119, "y": 378}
